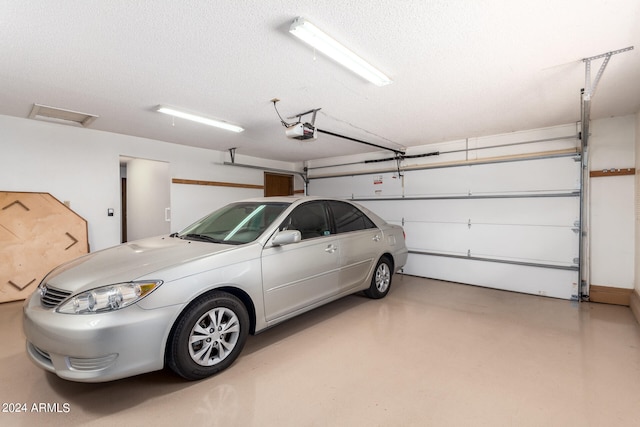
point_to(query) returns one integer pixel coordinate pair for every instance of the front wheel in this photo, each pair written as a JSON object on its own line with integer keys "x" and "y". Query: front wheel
{"x": 381, "y": 280}
{"x": 208, "y": 336}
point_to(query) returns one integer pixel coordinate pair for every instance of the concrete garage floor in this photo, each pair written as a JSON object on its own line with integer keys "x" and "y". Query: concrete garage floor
{"x": 431, "y": 353}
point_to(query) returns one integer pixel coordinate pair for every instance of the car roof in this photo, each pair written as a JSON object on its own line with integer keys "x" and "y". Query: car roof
{"x": 286, "y": 199}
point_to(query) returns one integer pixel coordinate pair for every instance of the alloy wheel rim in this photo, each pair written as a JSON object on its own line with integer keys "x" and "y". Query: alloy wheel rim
{"x": 214, "y": 336}
{"x": 383, "y": 277}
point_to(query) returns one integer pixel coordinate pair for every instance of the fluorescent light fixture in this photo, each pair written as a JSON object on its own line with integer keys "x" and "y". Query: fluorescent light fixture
{"x": 199, "y": 119}
{"x": 309, "y": 33}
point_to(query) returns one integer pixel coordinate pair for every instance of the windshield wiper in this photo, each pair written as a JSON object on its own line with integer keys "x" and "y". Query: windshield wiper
{"x": 201, "y": 237}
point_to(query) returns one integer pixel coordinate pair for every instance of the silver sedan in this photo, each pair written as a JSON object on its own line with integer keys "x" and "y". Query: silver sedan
{"x": 189, "y": 300}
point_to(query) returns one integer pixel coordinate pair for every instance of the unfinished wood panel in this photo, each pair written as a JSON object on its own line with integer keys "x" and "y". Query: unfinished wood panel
{"x": 37, "y": 233}
{"x": 609, "y": 295}
{"x": 612, "y": 172}
{"x": 215, "y": 183}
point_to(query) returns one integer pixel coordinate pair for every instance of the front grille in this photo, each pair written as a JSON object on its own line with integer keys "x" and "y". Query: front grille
{"x": 51, "y": 297}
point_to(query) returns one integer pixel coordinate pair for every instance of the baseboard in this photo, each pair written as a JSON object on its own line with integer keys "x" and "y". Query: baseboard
{"x": 609, "y": 295}
{"x": 635, "y": 304}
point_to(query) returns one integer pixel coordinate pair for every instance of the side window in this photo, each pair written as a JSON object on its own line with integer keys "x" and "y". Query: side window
{"x": 310, "y": 219}
{"x": 349, "y": 218}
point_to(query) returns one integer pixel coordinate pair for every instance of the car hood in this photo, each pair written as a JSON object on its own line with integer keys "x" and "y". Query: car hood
{"x": 130, "y": 261}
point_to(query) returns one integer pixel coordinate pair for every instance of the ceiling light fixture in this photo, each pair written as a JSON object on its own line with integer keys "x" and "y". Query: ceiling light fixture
{"x": 309, "y": 33}
{"x": 199, "y": 119}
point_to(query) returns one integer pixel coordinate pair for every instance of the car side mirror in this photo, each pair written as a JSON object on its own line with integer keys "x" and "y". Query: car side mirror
{"x": 286, "y": 237}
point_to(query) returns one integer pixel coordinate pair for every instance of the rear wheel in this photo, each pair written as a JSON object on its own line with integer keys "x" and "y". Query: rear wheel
{"x": 208, "y": 336}
{"x": 381, "y": 280}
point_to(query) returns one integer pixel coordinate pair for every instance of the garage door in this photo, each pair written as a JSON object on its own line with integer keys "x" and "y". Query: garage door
{"x": 510, "y": 224}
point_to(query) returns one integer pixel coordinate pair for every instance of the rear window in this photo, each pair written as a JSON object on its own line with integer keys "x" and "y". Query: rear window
{"x": 349, "y": 218}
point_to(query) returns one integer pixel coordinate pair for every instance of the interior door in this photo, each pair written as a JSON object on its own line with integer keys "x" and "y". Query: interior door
{"x": 277, "y": 184}
{"x": 298, "y": 275}
{"x": 148, "y": 198}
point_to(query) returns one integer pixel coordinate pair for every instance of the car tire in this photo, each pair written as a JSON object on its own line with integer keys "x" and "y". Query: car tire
{"x": 208, "y": 336}
{"x": 381, "y": 279}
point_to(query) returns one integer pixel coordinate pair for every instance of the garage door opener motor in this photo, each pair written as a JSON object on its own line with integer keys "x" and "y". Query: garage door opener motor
{"x": 299, "y": 130}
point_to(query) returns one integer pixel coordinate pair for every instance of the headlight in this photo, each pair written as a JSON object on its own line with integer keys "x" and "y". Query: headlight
{"x": 108, "y": 298}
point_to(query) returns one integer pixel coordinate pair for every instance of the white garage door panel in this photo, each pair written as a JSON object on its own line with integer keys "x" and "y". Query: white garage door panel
{"x": 358, "y": 186}
{"x": 535, "y": 244}
{"x": 438, "y": 237}
{"x": 530, "y": 280}
{"x": 536, "y": 230}
{"x": 552, "y": 211}
{"x": 331, "y": 187}
{"x": 391, "y": 211}
{"x": 508, "y": 225}
{"x": 452, "y": 181}
{"x": 548, "y": 175}
{"x": 521, "y": 177}
{"x": 529, "y": 244}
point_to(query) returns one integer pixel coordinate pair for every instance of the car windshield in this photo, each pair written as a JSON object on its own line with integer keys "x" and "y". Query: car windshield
{"x": 235, "y": 224}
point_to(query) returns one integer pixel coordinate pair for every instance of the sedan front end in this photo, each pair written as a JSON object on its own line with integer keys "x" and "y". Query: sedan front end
{"x": 96, "y": 347}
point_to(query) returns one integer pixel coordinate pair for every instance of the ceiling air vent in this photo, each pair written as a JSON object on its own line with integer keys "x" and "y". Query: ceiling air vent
{"x": 60, "y": 115}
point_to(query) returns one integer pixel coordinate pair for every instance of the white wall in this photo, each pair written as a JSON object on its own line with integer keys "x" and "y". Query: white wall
{"x": 612, "y": 224}
{"x": 82, "y": 166}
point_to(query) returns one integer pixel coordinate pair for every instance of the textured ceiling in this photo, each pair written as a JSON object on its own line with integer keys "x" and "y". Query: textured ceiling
{"x": 460, "y": 68}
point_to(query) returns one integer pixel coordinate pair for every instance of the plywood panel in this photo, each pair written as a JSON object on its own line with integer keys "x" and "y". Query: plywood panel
{"x": 37, "y": 233}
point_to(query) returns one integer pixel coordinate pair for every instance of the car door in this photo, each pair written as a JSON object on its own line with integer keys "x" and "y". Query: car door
{"x": 298, "y": 275}
{"x": 360, "y": 243}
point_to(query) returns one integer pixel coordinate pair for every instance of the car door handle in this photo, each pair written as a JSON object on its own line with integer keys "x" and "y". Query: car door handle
{"x": 376, "y": 238}
{"x": 331, "y": 249}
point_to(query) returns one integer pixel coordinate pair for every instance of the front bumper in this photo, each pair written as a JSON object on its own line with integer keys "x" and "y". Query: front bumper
{"x": 97, "y": 347}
